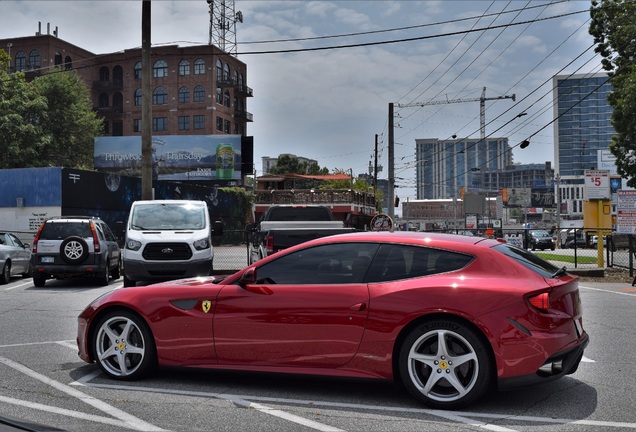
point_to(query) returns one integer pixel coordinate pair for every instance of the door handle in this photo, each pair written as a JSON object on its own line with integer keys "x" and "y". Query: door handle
{"x": 359, "y": 306}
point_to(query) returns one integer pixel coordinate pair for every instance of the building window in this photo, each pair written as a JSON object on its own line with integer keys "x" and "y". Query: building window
{"x": 219, "y": 95}
{"x": 184, "y": 123}
{"x": 236, "y": 128}
{"x": 159, "y": 96}
{"x": 138, "y": 97}
{"x": 138, "y": 70}
{"x": 226, "y": 98}
{"x": 159, "y": 124}
{"x": 199, "y": 67}
{"x": 103, "y": 100}
{"x": 136, "y": 125}
{"x": 104, "y": 73}
{"x": 57, "y": 60}
{"x": 68, "y": 63}
{"x": 219, "y": 124}
{"x": 184, "y": 95}
{"x": 20, "y": 61}
{"x": 106, "y": 127}
{"x": 219, "y": 70}
{"x": 34, "y": 59}
{"x": 184, "y": 68}
{"x": 199, "y": 122}
{"x": 227, "y": 125}
{"x": 235, "y": 77}
{"x": 199, "y": 94}
{"x": 226, "y": 72}
{"x": 160, "y": 69}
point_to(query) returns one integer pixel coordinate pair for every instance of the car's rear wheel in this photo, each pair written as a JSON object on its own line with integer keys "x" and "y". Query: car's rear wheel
{"x": 104, "y": 275}
{"x": 123, "y": 346}
{"x": 39, "y": 281}
{"x": 445, "y": 364}
{"x": 5, "y": 276}
{"x": 74, "y": 250}
{"x": 116, "y": 272}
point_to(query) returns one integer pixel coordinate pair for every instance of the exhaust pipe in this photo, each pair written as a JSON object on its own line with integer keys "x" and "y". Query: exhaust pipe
{"x": 551, "y": 368}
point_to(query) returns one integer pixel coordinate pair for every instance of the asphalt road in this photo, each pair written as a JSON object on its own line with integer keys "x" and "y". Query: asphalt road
{"x": 43, "y": 380}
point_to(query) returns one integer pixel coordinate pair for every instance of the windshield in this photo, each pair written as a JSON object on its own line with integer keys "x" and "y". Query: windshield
{"x": 176, "y": 216}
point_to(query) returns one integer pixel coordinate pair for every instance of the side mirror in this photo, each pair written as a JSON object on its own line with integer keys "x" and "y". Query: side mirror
{"x": 251, "y": 227}
{"x": 217, "y": 228}
{"x": 26, "y": 245}
{"x": 248, "y": 277}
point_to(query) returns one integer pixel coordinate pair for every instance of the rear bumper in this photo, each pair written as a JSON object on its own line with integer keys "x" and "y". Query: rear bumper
{"x": 67, "y": 270}
{"x": 560, "y": 364}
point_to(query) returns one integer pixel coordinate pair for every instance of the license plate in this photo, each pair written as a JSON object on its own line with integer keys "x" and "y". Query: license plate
{"x": 48, "y": 259}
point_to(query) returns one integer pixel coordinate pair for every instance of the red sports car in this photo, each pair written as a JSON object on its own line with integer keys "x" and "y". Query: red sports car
{"x": 448, "y": 316}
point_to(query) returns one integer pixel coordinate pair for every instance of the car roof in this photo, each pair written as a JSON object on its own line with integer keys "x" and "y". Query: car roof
{"x": 431, "y": 239}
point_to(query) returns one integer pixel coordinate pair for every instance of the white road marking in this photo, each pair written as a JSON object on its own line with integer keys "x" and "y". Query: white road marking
{"x": 587, "y": 360}
{"x": 68, "y": 344}
{"x": 65, "y": 412}
{"x": 20, "y": 285}
{"x": 130, "y": 420}
{"x": 39, "y": 343}
{"x": 609, "y": 291}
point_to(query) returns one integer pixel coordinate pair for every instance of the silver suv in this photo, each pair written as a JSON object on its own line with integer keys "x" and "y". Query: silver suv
{"x": 75, "y": 246}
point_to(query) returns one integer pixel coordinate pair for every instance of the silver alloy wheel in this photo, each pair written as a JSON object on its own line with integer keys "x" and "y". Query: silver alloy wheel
{"x": 120, "y": 346}
{"x": 73, "y": 250}
{"x": 443, "y": 365}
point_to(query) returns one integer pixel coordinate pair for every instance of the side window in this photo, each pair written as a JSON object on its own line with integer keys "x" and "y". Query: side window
{"x": 16, "y": 241}
{"x": 394, "y": 262}
{"x": 326, "y": 264}
{"x": 108, "y": 233}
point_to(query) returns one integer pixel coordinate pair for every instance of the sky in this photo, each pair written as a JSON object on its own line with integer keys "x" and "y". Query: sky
{"x": 323, "y": 73}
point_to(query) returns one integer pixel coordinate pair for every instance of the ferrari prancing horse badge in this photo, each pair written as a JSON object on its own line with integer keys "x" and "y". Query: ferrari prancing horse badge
{"x": 205, "y": 305}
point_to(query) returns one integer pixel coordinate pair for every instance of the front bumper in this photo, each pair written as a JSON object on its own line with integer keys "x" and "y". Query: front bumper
{"x": 164, "y": 270}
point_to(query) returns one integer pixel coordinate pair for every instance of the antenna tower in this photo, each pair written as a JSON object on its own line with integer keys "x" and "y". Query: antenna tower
{"x": 223, "y": 19}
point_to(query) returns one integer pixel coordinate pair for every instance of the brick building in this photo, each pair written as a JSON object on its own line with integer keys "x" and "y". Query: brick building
{"x": 197, "y": 90}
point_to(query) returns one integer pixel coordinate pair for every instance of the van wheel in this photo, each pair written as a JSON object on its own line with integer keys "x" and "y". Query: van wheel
{"x": 128, "y": 282}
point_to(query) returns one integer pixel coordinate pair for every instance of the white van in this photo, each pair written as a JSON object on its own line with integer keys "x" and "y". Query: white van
{"x": 168, "y": 239}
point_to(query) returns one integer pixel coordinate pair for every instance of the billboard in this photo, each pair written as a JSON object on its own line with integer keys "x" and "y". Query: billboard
{"x": 174, "y": 157}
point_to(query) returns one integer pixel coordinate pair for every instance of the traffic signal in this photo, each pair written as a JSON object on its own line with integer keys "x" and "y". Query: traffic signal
{"x": 397, "y": 202}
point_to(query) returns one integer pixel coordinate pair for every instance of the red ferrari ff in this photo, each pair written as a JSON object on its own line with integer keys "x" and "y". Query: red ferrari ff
{"x": 448, "y": 316}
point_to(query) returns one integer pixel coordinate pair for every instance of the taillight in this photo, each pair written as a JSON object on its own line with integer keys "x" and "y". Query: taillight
{"x": 540, "y": 301}
{"x": 34, "y": 249}
{"x": 96, "y": 245}
{"x": 269, "y": 244}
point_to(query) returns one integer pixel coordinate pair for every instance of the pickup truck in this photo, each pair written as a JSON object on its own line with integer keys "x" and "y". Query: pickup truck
{"x": 283, "y": 226}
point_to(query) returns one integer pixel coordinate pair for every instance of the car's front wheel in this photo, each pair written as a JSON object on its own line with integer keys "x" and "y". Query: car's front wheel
{"x": 445, "y": 364}
{"x": 5, "y": 276}
{"x": 123, "y": 346}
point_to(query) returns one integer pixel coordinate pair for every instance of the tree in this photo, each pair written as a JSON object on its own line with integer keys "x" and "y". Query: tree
{"x": 614, "y": 34}
{"x": 70, "y": 121}
{"x": 21, "y": 112}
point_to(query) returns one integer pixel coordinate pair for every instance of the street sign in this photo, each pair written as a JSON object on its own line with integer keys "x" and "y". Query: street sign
{"x": 626, "y": 212}
{"x": 597, "y": 185}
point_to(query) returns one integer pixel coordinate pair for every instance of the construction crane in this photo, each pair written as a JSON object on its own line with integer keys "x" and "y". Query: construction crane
{"x": 482, "y": 107}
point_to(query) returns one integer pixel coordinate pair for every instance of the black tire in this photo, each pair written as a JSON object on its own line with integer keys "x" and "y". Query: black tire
{"x": 5, "y": 276}
{"x": 115, "y": 273}
{"x": 74, "y": 250}
{"x": 39, "y": 281}
{"x": 447, "y": 376}
{"x": 123, "y": 346}
{"x": 103, "y": 276}
{"x": 128, "y": 282}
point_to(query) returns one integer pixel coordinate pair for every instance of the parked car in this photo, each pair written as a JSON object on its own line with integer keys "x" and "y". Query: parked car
{"x": 540, "y": 239}
{"x": 14, "y": 257}
{"x": 448, "y": 316}
{"x": 75, "y": 246}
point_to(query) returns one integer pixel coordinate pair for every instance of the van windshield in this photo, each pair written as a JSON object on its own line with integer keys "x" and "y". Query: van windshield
{"x": 168, "y": 217}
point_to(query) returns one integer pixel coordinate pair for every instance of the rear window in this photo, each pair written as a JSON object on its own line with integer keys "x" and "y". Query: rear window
{"x": 62, "y": 230}
{"x": 528, "y": 260}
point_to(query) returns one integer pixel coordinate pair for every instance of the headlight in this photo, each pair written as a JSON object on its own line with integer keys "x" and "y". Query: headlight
{"x": 133, "y": 245}
{"x": 204, "y": 243}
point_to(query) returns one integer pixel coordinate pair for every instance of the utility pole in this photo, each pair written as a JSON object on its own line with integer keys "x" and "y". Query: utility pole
{"x": 375, "y": 170}
{"x": 146, "y": 106}
{"x": 391, "y": 209}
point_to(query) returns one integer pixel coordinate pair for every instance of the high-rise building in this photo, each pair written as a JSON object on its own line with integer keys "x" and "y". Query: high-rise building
{"x": 582, "y": 129}
{"x": 444, "y": 167}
